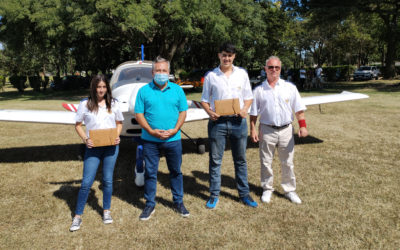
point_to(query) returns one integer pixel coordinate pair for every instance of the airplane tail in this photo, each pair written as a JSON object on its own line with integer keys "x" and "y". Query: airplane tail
{"x": 70, "y": 107}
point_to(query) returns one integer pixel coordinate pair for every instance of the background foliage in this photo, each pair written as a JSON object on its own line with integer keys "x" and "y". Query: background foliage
{"x": 64, "y": 36}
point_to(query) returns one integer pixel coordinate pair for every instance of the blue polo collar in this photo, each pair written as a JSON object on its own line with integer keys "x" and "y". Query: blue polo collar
{"x": 155, "y": 86}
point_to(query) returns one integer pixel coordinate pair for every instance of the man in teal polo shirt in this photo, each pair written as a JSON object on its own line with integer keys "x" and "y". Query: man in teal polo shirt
{"x": 160, "y": 109}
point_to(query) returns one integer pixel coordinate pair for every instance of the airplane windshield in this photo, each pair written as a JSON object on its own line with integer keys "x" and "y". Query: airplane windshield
{"x": 134, "y": 75}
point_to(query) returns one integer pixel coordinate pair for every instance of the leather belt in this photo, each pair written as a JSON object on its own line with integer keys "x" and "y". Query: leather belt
{"x": 278, "y": 127}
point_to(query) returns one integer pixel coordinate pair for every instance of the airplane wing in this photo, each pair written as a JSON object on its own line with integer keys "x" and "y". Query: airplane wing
{"x": 344, "y": 96}
{"x": 40, "y": 116}
{"x": 195, "y": 111}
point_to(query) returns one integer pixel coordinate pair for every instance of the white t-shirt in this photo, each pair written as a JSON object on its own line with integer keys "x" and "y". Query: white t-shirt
{"x": 219, "y": 87}
{"x": 275, "y": 106}
{"x": 318, "y": 72}
{"x": 302, "y": 73}
{"x": 100, "y": 120}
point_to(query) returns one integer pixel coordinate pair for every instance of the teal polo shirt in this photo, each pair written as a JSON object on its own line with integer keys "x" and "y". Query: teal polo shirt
{"x": 161, "y": 108}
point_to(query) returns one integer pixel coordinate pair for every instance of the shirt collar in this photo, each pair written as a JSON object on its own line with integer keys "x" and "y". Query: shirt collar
{"x": 266, "y": 84}
{"x": 220, "y": 72}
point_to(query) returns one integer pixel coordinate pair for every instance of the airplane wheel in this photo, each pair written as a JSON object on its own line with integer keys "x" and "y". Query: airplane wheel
{"x": 201, "y": 147}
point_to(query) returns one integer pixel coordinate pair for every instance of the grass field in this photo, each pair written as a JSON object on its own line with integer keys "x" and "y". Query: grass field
{"x": 347, "y": 173}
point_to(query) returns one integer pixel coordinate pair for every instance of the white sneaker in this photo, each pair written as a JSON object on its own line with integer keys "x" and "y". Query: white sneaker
{"x": 266, "y": 196}
{"x": 139, "y": 178}
{"x": 76, "y": 224}
{"x": 293, "y": 197}
{"x": 107, "y": 219}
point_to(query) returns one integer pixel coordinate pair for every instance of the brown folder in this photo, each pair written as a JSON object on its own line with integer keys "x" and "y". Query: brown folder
{"x": 227, "y": 106}
{"x": 103, "y": 137}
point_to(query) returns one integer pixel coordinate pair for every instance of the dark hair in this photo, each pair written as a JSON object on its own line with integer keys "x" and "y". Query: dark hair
{"x": 93, "y": 102}
{"x": 227, "y": 47}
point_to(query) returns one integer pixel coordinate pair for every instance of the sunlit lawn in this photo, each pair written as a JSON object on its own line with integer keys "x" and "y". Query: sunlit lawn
{"x": 347, "y": 172}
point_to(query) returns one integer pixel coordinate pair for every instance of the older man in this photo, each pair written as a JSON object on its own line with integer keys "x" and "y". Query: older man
{"x": 274, "y": 102}
{"x": 160, "y": 109}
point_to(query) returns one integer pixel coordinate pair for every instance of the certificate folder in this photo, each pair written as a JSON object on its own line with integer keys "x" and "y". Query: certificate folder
{"x": 103, "y": 137}
{"x": 227, "y": 107}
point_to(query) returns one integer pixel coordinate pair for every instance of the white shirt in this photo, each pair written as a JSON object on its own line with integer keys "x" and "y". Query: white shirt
{"x": 100, "y": 120}
{"x": 302, "y": 73}
{"x": 318, "y": 72}
{"x": 275, "y": 106}
{"x": 219, "y": 87}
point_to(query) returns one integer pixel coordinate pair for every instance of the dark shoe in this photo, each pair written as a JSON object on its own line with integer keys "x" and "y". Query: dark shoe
{"x": 212, "y": 203}
{"x": 247, "y": 200}
{"x": 180, "y": 208}
{"x": 146, "y": 213}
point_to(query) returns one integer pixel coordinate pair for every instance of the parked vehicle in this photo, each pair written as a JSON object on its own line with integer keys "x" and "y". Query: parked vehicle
{"x": 366, "y": 73}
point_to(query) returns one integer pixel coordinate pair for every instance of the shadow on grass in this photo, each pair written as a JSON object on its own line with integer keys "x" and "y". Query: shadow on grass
{"x": 70, "y": 193}
{"x": 72, "y": 152}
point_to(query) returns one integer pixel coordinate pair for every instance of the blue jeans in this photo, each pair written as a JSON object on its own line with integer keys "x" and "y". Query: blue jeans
{"x": 173, "y": 155}
{"x": 234, "y": 128}
{"x": 91, "y": 162}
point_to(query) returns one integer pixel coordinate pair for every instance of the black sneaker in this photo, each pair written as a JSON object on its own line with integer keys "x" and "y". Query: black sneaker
{"x": 146, "y": 213}
{"x": 180, "y": 208}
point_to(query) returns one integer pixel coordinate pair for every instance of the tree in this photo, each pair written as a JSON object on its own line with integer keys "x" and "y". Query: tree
{"x": 386, "y": 10}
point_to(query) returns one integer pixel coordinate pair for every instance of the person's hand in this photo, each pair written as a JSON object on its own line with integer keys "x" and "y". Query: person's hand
{"x": 161, "y": 134}
{"x": 213, "y": 116}
{"x": 117, "y": 140}
{"x": 254, "y": 135}
{"x": 243, "y": 113}
{"x": 171, "y": 132}
{"x": 303, "y": 132}
{"x": 89, "y": 143}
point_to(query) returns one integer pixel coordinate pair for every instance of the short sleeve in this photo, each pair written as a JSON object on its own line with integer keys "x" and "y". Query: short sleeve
{"x": 183, "y": 106}
{"x": 205, "y": 96}
{"x": 298, "y": 103}
{"x": 247, "y": 94}
{"x": 254, "y": 106}
{"x": 139, "y": 103}
{"x": 81, "y": 111}
{"x": 117, "y": 111}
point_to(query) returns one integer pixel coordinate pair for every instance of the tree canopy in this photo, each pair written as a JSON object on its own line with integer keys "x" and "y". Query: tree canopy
{"x": 63, "y": 36}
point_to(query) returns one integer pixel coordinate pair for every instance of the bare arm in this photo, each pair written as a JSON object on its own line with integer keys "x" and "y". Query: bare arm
{"x": 300, "y": 115}
{"x": 82, "y": 135}
{"x": 245, "y": 109}
{"x": 253, "y": 129}
{"x": 206, "y": 106}
{"x": 119, "y": 130}
{"x": 178, "y": 125}
{"x": 145, "y": 125}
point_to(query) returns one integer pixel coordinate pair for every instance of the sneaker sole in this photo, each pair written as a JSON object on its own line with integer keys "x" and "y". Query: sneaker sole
{"x": 185, "y": 215}
{"x": 147, "y": 218}
{"x": 108, "y": 221}
{"x": 74, "y": 229}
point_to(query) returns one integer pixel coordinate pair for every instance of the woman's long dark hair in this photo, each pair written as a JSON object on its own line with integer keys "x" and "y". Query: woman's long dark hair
{"x": 93, "y": 102}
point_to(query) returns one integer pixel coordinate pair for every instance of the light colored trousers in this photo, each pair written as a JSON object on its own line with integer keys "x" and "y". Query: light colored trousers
{"x": 283, "y": 140}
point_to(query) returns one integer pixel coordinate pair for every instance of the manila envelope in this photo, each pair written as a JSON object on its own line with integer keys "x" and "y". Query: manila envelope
{"x": 103, "y": 137}
{"x": 227, "y": 107}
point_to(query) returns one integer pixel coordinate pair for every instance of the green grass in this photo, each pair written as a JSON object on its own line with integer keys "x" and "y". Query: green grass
{"x": 347, "y": 175}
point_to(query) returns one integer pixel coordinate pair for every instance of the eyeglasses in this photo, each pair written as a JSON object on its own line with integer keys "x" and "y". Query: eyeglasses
{"x": 274, "y": 67}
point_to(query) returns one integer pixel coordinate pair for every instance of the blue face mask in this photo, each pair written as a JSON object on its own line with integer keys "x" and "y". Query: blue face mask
{"x": 161, "y": 78}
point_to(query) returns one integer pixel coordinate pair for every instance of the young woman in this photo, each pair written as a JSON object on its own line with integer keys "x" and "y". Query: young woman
{"x": 98, "y": 111}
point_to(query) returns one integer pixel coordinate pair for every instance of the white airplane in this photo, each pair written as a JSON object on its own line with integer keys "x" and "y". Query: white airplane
{"x": 125, "y": 82}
